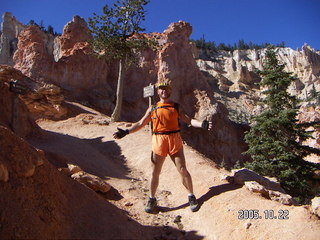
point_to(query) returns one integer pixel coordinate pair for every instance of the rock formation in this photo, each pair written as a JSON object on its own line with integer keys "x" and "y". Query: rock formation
{"x": 10, "y": 29}
{"x": 67, "y": 63}
{"x": 14, "y": 112}
{"x": 311, "y": 114}
{"x": 32, "y": 158}
{"x": 41, "y": 99}
{"x": 94, "y": 182}
{"x": 239, "y": 66}
{"x": 267, "y": 187}
{"x": 315, "y": 206}
{"x": 234, "y": 73}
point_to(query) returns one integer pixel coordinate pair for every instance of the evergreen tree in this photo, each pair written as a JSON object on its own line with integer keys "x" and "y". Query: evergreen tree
{"x": 275, "y": 137}
{"x": 32, "y": 23}
{"x": 50, "y": 30}
{"x": 112, "y": 37}
{"x": 222, "y": 46}
{"x": 242, "y": 45}
{"x": 41, "y": 26}
{"x": 314, "y": 97}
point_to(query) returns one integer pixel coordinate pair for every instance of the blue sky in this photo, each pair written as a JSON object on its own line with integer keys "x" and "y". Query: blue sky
{"x": 224, "y": 21}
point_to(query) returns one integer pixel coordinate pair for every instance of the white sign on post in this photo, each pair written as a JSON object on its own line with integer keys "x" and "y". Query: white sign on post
{"x": 148, "y": 91}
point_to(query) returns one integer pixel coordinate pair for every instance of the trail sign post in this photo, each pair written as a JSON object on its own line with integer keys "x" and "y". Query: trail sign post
{"x": 148, "y": 92}
{"x": 18, "y": 88}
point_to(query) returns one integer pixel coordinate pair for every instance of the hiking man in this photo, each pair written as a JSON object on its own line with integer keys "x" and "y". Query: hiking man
{"x": 166, "y": 140}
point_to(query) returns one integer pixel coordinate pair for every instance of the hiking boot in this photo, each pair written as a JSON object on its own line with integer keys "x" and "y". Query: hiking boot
{"x": 151, "y": 205}
{"x": 193, "y": 203}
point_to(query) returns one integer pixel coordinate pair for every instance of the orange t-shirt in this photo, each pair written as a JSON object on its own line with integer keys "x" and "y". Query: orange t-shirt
{"x": 165, "y": 118}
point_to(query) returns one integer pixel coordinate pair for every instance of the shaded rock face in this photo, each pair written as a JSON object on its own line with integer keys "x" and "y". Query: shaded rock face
{"x": 10, "y": 29}
{"x": 14, "y": 113}
{"x": 37, "y": 201}
{"x": 38, "y": 99}
{"x": 30, "y": 157}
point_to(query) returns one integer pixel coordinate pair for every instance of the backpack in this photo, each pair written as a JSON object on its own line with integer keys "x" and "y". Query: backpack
{"x": 176, "y": 107}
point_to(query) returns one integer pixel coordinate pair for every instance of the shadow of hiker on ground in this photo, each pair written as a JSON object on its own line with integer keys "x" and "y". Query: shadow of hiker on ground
{"x": 213, "y": 191}
{"x": 216, "y": 190}
{"x": 170, "y": 209}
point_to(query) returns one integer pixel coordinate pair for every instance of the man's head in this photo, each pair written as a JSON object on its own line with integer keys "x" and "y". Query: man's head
{"x": 164, "y": 89}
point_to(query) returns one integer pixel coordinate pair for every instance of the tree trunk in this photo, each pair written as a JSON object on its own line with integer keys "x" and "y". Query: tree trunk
{"x": 117, "y": 110}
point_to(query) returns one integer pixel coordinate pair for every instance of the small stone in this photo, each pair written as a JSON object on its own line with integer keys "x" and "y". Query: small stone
{"x": 177, "y": 219}
{"x": 94, "y": 182}
{"x": 4, "y": 174}
{"x": 129, "y": 204}
{"x": 315, "y": 206}
{"x": 74, "y": 168}
{"x": 247, "y": 225}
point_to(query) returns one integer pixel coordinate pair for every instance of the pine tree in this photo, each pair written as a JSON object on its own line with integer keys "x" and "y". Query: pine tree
{"x": 112, "y": 34}
{"x": 275, "y": 137}
{"x": 314, "y": 97}
{"x": 50, "y": 30}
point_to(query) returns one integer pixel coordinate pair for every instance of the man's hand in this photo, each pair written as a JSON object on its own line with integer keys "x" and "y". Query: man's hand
{"x": 120, "y": 133}
{"x": 206, "y": 125}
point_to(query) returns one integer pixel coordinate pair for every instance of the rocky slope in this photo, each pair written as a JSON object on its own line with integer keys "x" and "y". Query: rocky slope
{"x": 40, "y": 202}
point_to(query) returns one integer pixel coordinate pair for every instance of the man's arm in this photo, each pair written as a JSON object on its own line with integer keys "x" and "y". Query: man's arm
{"x": 193, "y": 122}
{"x": 135, "y": 127}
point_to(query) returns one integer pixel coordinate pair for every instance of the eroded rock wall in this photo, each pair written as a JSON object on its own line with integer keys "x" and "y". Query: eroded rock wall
{"x": 236, "y": 71}
{"x": 10, "y": 29}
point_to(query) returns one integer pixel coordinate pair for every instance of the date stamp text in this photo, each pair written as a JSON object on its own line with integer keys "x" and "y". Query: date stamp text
{"x": 266, "y": 214}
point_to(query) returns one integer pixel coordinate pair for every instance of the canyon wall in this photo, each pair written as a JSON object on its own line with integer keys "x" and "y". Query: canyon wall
{"x": 10, "y": 29}
{"x": 236, "y": 71}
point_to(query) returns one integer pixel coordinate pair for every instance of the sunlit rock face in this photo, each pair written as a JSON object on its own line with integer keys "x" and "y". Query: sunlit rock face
{"x": 10, "y": 29}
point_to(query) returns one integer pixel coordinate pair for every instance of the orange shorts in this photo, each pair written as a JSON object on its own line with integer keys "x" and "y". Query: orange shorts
{"x": 166, "y": 144}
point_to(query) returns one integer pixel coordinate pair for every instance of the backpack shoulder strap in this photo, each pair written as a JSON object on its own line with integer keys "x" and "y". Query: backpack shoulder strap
{"x": 176, "y": 106}
{"x": 153, "y": 107}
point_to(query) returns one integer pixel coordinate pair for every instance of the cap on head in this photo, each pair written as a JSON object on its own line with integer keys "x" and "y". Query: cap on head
{"x": 163, "y": 84}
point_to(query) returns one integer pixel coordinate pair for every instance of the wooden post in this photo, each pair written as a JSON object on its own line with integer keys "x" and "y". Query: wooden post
{"x": 149, "y": 92}
{"x": 16, "y": 87}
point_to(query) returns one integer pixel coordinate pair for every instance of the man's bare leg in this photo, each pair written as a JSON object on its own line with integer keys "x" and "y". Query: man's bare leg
{"x": 180, "y": 163}
{"x": 157, "y": 163}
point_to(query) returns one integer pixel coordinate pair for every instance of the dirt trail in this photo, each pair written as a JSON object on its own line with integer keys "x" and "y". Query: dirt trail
{"x": 125, "y": 164}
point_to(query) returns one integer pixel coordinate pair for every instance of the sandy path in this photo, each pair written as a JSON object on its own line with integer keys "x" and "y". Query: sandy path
{"x": 125, "y": 164}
